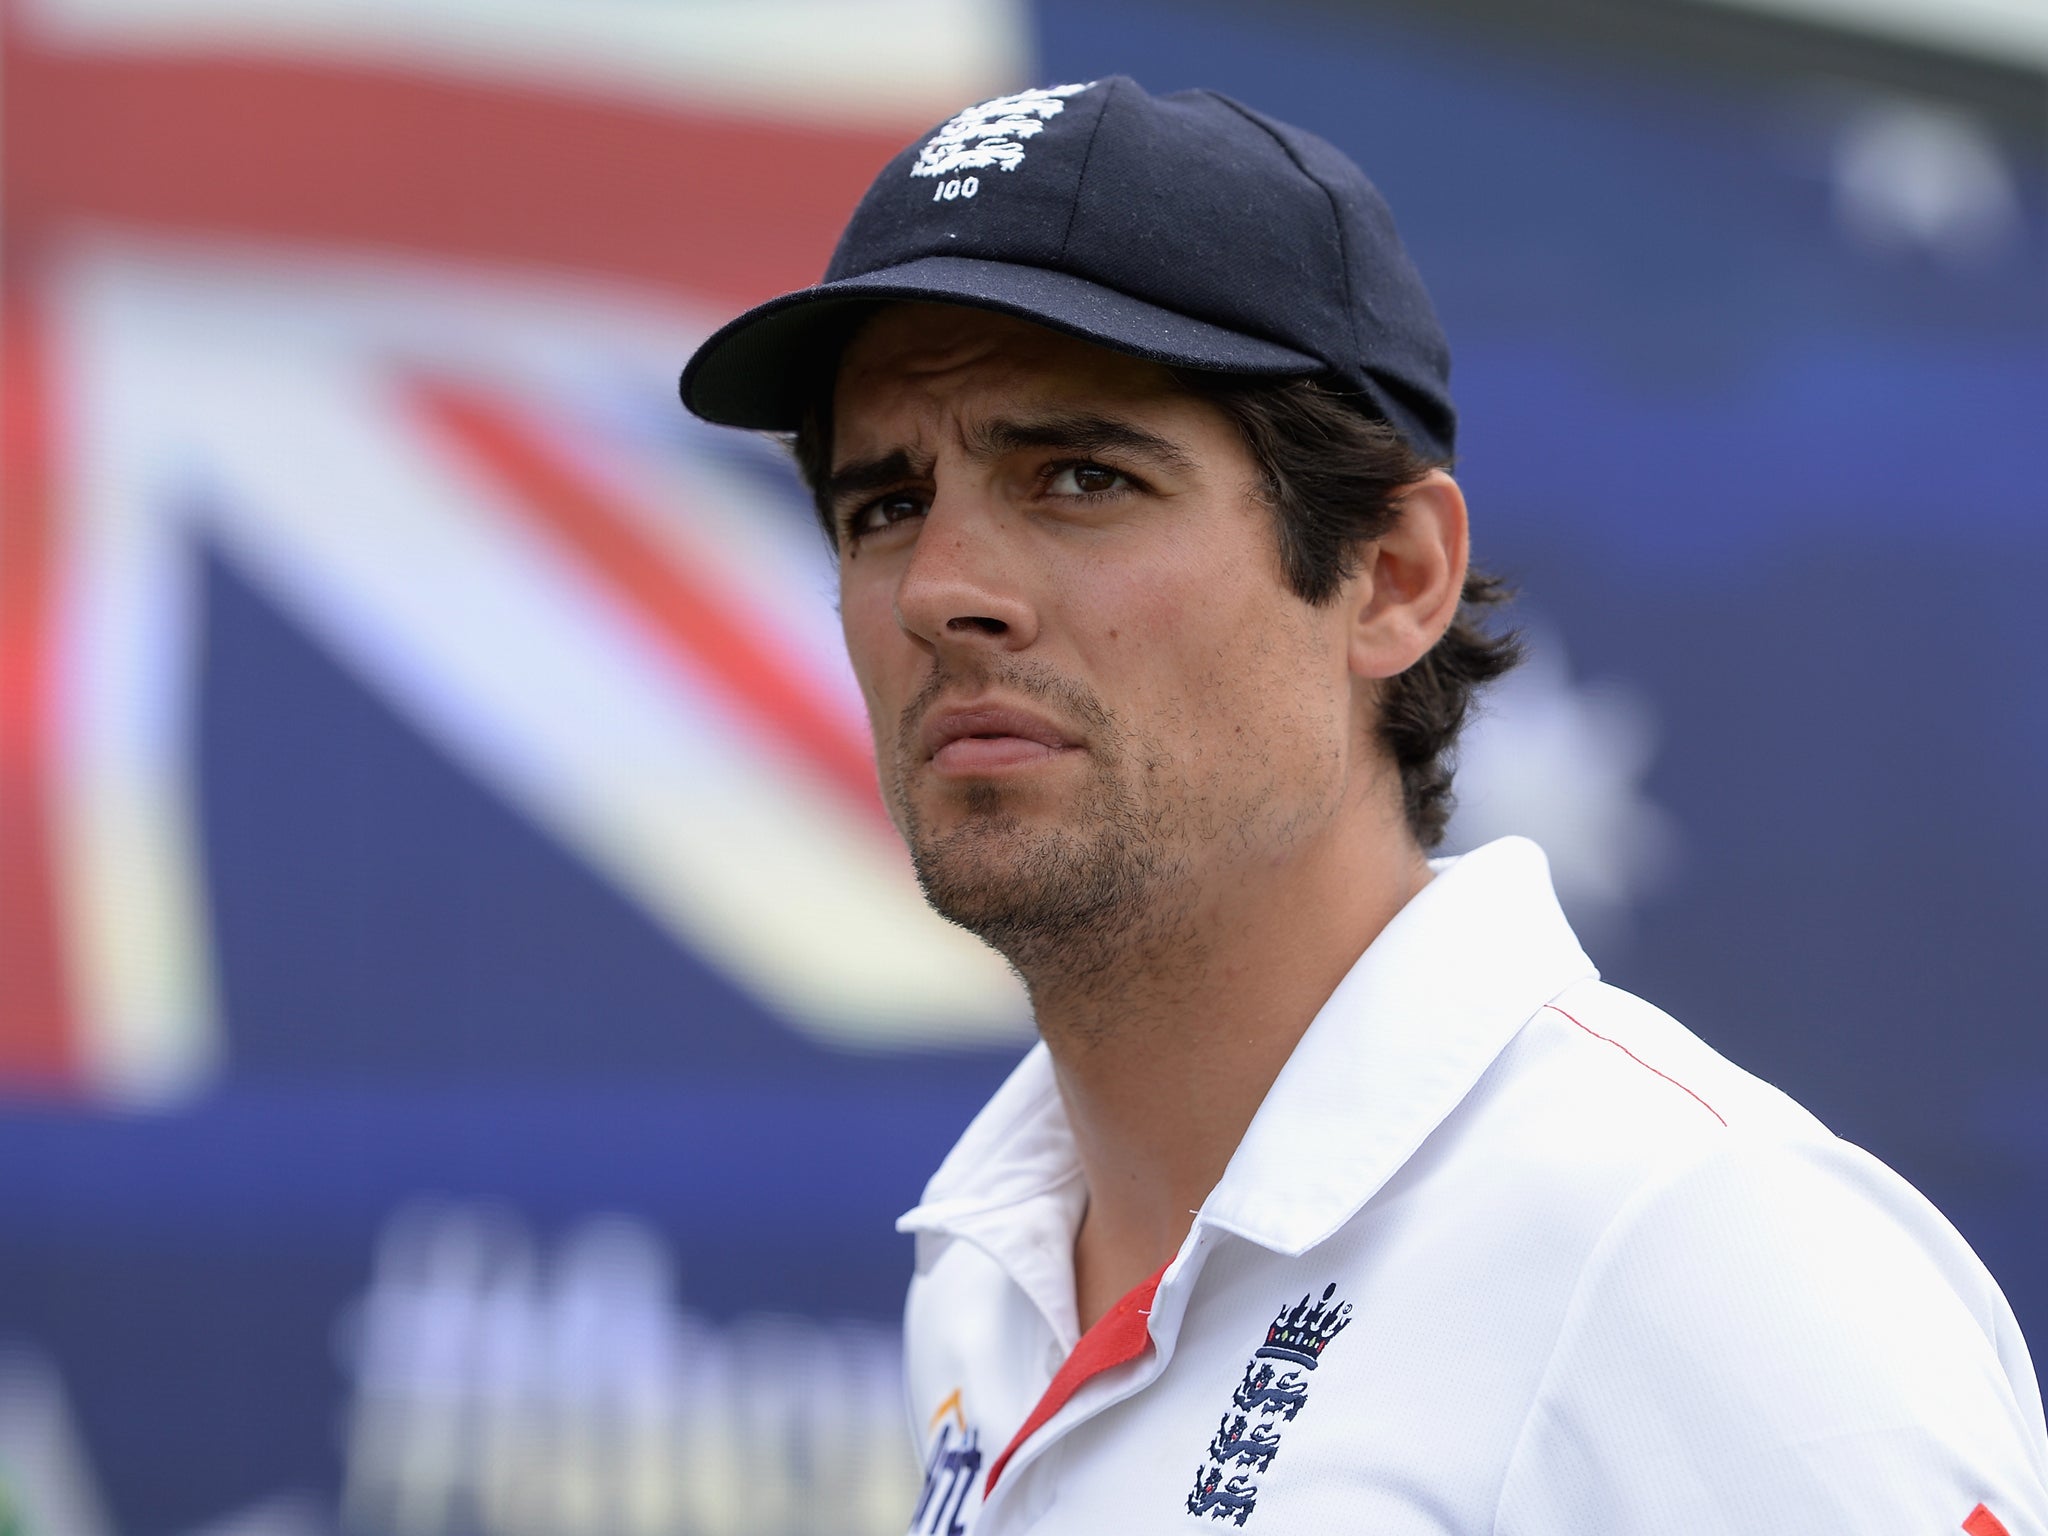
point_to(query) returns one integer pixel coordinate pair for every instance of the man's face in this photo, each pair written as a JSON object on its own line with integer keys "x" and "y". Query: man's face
{"x": 1099, "y": 711}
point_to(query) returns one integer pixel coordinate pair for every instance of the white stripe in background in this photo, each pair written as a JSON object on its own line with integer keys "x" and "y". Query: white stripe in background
{"x": 891, "y": 62}
{"x": 2005, "y": 31}
{"x": 131, "y": 881}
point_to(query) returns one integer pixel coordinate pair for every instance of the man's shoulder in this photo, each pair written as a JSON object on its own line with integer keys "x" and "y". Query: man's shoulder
{"x": 1673, "y": 1184}
{"x": 1607, "y": 1123}
{"x": 1741, "y": 1289}
{"x": 1602, "y": 1054}
{"x": 1602, "y": 1093}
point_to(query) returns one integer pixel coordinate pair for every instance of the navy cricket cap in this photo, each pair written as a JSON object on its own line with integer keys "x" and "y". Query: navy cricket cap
{"x": 1186, "y": 229}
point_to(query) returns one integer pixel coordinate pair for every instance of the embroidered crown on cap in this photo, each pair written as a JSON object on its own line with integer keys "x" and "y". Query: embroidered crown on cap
{"x": 1302, "y": 1332}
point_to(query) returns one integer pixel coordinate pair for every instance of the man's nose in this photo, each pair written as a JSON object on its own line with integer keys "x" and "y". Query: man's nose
{"x": 964, "y": 583}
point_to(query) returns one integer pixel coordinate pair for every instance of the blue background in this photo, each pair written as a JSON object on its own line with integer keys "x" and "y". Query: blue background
{"x": 1787, "y": 488}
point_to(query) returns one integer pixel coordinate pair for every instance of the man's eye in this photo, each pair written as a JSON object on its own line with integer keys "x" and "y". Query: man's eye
{"x": 882, "y": 512}
{"x": 1083, "y": 480}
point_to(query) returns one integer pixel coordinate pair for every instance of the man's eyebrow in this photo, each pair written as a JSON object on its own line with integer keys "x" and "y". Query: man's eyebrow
{"x": 864, "y": 477}
{"x": 1076, "y": 432}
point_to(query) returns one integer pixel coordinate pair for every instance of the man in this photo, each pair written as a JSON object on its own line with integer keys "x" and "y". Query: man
{"x": 1341, "y": 1194}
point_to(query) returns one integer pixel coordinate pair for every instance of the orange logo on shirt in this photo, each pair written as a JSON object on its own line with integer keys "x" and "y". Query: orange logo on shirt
{"x": 951, "y": 1469}
{"x": 950, "y": 1405}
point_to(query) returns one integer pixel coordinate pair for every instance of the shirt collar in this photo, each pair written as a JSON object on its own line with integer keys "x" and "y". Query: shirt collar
{"x": 1408, "y": 1032}
{"x": 1012, "y": 1187}
{"x": 1412, "y": 1026}
{"x": 1019, "y": 1147}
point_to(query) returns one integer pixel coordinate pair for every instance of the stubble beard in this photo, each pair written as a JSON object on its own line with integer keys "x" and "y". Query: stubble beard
{"x": 1067, "y": 903}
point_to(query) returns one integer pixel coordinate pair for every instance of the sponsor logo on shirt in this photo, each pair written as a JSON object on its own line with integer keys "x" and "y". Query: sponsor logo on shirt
{"x": 1271, "y": 1393}
{"x": 952, "y": 1466}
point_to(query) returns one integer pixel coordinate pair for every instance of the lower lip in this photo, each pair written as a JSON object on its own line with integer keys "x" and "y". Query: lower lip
{"x": 985, "y": 754}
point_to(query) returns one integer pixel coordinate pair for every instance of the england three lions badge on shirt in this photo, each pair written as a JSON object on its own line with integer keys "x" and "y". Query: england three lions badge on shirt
{"x": 1273, "y": 1389}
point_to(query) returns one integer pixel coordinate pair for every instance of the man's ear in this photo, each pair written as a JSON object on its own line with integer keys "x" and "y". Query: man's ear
{"x": 1406, "y": 589}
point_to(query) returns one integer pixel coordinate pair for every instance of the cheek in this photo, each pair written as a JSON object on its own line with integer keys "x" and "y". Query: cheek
{"x": 1173, "y": 643}
{"x": 1235, "y": 671}
{"x": 1200, "y": 610}
{"x": 876, "y": 648}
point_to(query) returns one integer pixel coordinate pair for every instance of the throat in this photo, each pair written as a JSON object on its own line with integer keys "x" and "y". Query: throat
{"x": 1158, "y": 1101}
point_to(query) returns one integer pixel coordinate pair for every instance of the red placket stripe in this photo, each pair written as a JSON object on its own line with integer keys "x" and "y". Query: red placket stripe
{"x": 1982, "y": 1522}
{"x": 1121, "y": 1334}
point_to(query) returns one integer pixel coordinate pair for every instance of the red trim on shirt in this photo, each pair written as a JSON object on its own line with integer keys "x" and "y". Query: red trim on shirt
{"x": 1120, "y": 1334}
{"x": 1632, "y": 1056}
{"x": 1982, "y": 1522}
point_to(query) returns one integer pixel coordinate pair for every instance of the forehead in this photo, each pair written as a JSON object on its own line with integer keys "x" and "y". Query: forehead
{"x": 916, "y": 357}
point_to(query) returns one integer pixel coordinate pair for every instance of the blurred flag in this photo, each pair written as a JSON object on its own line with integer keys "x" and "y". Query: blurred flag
{"x": 379, "y": 306}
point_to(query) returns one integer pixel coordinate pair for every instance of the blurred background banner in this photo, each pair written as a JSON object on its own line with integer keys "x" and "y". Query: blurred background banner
{"x": 466, "y": 1025}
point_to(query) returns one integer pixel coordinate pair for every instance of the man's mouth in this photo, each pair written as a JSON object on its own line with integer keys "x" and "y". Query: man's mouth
{"x": 988, "y": 738}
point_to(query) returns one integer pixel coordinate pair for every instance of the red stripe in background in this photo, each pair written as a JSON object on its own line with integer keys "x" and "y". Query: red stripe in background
{"x": 717, "y": 205}
{"x": 36, "y": 1047}
{"x": 697, "y": 625}
{"x": 1982, "y": 1522}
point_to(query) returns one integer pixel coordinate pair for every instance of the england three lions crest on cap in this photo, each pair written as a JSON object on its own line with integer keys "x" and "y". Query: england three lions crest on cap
{"x": 1269, "y": 1395}
{"x": 990, "y": 136}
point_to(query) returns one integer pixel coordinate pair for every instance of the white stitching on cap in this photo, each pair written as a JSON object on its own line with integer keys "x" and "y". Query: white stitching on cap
{"x": 991, "y": 136}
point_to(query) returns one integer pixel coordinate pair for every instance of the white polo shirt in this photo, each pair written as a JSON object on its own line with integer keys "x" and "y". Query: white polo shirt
{"x": 1506, "y": 1251}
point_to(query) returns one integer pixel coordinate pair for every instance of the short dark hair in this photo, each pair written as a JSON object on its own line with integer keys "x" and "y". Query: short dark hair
{"x": 1333, "y": 477}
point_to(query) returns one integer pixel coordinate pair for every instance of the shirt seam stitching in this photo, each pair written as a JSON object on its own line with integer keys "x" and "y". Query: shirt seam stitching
{"x": 1595, "y": 1263}
{"x": 1564, "y": 1324}
{"x": 1646, "y": 1066}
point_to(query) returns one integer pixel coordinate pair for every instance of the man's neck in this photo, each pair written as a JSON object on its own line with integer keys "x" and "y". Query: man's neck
{"x": 1165, "y": 1051}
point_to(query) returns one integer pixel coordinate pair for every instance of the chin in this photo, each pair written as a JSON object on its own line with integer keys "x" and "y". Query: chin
{"x": 1035, "y": 894}
{"x": 973, "y": 808}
